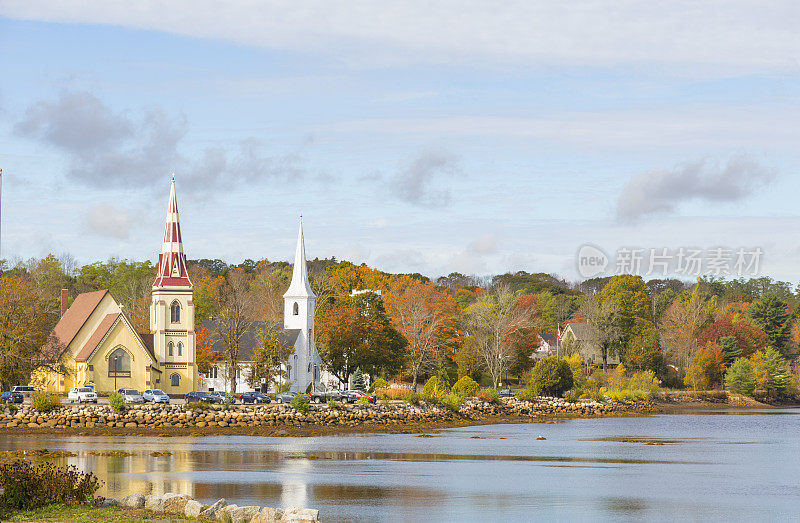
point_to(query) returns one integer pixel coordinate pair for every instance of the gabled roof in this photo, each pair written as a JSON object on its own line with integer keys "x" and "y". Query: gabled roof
{"x": 549, "y": 338}
{"x": 97, "y": 336}
{"x": 252, "y": 337}
{"x": 583, "y": 331}
{"x": 71, "y": 322}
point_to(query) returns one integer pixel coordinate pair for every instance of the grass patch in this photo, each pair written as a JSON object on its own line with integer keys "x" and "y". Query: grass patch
{"x": 86, "y": 514}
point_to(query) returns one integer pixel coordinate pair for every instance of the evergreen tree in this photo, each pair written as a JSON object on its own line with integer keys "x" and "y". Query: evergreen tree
{"x": 771, "y": 314}
{"x": 740, "y": 377}
{"x": 730, "y": 348}
{"x": 358, "y": 380}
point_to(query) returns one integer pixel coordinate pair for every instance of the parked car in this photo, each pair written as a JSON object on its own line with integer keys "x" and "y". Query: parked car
{"x": 131, "y": 395}
{"x": 12, "y": 397}
{"x": 26, "y": 390}
{"x": 355, "y": 395}
{"x": 507, "y": 393}
{"x": 155, "y": 396}
{"x": 255, "y": 397}
{"x": 201, "y": 396}
{"x": 223, "y": 396}
{"x": 324, "y": 396}
{"x": 285, "y": 397}
{"x": 82, "y": 395}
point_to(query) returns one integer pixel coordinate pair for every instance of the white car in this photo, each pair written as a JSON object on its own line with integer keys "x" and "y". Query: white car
{"x": 82, "y": 395}
{"x": 131, "y": 395}
{"x": 155, "y": 396}
{"x": 26, "y": 390}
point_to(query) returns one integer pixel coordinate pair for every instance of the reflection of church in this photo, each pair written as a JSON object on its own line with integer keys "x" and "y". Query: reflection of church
{"x": 98, "y": 344}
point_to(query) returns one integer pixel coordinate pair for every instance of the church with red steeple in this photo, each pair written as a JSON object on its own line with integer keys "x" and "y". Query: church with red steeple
{"x": 98, "y": 345}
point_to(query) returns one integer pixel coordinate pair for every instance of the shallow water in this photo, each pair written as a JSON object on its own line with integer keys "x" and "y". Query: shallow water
{"x": 717, "y": 465}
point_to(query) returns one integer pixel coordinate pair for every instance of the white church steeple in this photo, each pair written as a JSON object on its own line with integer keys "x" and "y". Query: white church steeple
{"x": 300, "y": 287}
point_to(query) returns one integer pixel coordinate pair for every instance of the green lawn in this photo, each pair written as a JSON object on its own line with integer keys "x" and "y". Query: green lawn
{"x": 84, "y": 514}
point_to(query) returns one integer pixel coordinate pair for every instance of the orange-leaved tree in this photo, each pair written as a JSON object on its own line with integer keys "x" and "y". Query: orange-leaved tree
{"x": 205, "y": 356}
{"x": 426, "y": 316}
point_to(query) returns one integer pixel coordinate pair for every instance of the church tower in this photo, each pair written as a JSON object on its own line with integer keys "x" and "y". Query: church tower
{"x": 172, "y": 311}
{"x": 298, "y": 314}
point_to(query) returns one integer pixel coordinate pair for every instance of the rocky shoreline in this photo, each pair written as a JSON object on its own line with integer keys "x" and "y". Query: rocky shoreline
{"x": 183, "y": 505}
{"x": 270, "y": 419}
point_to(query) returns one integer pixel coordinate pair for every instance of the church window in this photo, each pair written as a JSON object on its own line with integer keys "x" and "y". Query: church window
{"x": 212, "y": 372}
{"x": 175, "y": 312}
{"x": 119, "y": 364}
{"x": 169, "y": 348}
{"x": 180, "y": 349}
{"x": 175, "y": 380}
{"x": 296, "y": 309}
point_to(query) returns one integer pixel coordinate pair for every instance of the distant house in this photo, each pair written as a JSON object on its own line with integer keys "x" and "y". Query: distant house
{"x": 585, "y": 340}
{"x": 547, "y": 347}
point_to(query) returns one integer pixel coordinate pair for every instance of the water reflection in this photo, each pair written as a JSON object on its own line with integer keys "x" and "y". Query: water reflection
{"x": 719, "y": 467}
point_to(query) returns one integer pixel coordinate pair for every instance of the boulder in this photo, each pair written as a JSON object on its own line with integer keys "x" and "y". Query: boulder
{"x": 109, "y": 502}
{"x": 268, "y": 515}
{"x": 133, "y": 501}
{"x": 193, "y": 508}
{"x": 224, "y": 514}
{"x": 154, "y": 502}
{"x": 300, "y": 514}
{"x": 211, "y": 512}
{"x": 243, "y": 514}
{"x": 175, "y": 503}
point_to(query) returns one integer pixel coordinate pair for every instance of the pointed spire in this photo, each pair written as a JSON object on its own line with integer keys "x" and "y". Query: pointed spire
{"x": 172, "y": 271}
{"x": 300, "y": 287}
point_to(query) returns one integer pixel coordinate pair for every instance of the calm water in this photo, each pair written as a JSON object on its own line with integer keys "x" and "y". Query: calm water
{"x": 728, "y": 465}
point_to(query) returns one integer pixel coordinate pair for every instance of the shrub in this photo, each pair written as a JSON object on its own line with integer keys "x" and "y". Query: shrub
{"x": 450, "y": 401}
{"x": 197, "y": 405}
{"x": 465, "y": 387}
{"x": 226, "y": 404}
{"x": 434, "y": 387}
{"x": 528, "y": 394}
{"x": 332, "y": 403}
{"x": 624, "y": 394}
{"x": 45, "y": 402}
{"x": 285, "y": 386}
{"x": 378, "y": 385}
{"x": 28, "y": 486}
{"x": 117, "y": 402}
{"x": 575, "y": 363}
{"x": 591, "y": 390}
{"x": 300, "y": 403}
{"x": 550, "y": 376}
{"x": 395, "y": 393}
{"x": 646, "y": 382}
{"x": 363, "y": 402}
{"x": 413, "y": 398}
{"x": 740, "y": 377}
{"x": 488, "y": 394}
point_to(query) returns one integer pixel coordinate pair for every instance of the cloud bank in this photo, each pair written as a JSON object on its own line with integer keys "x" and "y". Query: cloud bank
{"x": 107, "y": 149}
{"x": 660, "y": 191}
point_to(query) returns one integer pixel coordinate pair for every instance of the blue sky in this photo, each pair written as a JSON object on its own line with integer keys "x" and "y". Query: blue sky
{"x": 417, "y": 137}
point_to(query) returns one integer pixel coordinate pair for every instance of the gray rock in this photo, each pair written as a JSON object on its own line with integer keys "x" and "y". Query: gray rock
{"x": 300, "y": 514}
{"x": 193, "y": 508}
{"x": 133, "y": 501}
{"x": 211, "y": 512}
{"x": 175, "y": 503}
{"x": 154, "y": 502}
{"x": 109, "y": 502}
{"x": 244, "y": 514}
{"x": 268, "y": 515}
{"x": 224, "y": 514}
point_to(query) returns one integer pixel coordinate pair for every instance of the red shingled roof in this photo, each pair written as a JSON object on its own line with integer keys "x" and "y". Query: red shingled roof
{"x": 71, "y": 322}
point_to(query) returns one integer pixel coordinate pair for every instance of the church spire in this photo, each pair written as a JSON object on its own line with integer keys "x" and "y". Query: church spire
{"x": 172, "y": 271}
{"x": 300, "y": 287}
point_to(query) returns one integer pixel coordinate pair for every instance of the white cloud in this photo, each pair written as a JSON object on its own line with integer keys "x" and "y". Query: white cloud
{"x": 109, "y": 221}
{"x": 588, "y": 32}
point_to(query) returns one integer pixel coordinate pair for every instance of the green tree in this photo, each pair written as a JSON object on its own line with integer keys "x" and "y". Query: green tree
{"x": 740, "y": 377}
{"x": 772, "y": 315}
{"x": 771, "y": 371}
{"x": 730, "y": 348}
{"x": 358, "y": 380}
{"x": 551, "y": 376}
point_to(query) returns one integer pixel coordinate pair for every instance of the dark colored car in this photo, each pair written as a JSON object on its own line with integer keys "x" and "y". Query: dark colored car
{"x": 507, "y": 393}
{"x": 203, "y": 397}
{"x": 255, "y": 397}
{"x": 355, "y": 395}
{"x": 12, "y": 397}
{"x": 285, "y": 397}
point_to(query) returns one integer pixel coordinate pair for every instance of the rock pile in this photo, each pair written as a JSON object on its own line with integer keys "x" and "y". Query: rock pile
{"x": 273, "y": 415}
{"x": 181, "y": 504}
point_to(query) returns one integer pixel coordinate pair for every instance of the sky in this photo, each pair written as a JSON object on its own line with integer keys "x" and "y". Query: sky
{"x": 413, "y": 136}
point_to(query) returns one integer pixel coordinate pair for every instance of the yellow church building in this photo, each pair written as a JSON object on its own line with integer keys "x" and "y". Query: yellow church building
{"x": 100, "y": 347}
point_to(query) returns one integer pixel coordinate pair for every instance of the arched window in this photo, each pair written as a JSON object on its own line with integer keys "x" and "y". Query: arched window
{"x": 175, "y": 312}
{"x": 169, "y": 348}
{"x": 180, "y": 348}
{"x": 119, "y": 363}
{"x": 175, "y": 380}
{"x": 296, "y": 309}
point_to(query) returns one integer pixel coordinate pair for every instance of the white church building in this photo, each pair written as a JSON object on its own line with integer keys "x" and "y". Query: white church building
{"x": 304, "y": 367}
